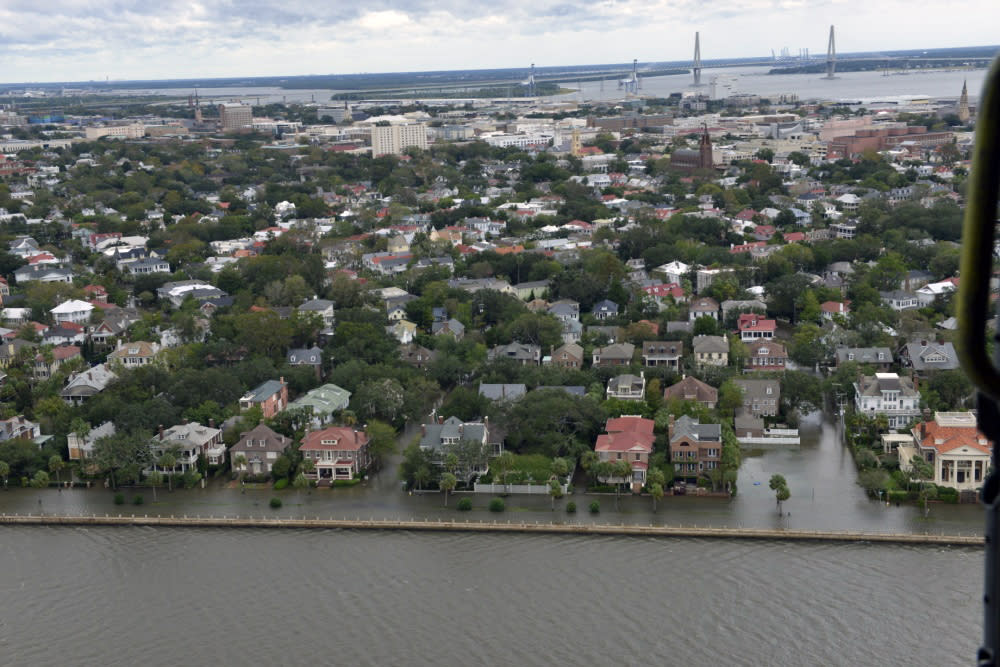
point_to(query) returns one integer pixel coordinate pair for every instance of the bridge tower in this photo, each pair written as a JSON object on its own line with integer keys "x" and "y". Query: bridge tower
{"x": 530, "y": 83}
{"x": 696, "y": 67}
{"x": 831, "y": 57}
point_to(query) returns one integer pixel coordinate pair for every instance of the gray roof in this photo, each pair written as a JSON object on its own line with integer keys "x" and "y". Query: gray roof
{"x": 574, "y": 390}
{"x": 316, "y": 305}
{"x": 703, "y": 344}
{"x": 758, "y": 388}
{"x": 451, "y": 428}
{"x": 687, "y": 426}
{"x": 312, "y": 356}
{"x": 874, "y": 385}
{"x": 517, "y": 351}
{"x": 502, "y": 392}
{"x": 864, "y": 355}
{"x": 927, "y": 355}
{"x": 263, "y": 391}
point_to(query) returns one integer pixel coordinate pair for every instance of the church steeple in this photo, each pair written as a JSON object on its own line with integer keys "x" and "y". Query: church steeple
{"x": 963, "y": 104}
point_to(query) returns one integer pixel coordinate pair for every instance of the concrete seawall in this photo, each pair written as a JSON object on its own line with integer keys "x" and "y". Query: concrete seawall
{"x": 489, "y": 527}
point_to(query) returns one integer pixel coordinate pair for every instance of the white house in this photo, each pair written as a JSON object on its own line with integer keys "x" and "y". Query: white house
{"x": 888, "y": 394}
{"x": 73, "y": 310}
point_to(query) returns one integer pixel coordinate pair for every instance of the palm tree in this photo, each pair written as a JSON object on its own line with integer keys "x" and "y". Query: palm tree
{"x": 655, "y": 481}
{"x": 168, "y": 460}
{"x": 589, "y": 461}
{"x": 448, "y": 483}
{"x": 623, "y": 470}
{"x": 4, "y": 472}
{"x": 560, "y": 467}
{"x": 421, "y": 476}
{"x": 155, "y": 478}
{"x": 55, "y": 465}
{"x": 780, "y": 488}
{"x": 240, "y": 463}
{"x": 504, "y": 462}
{"x": 555, "y": 491}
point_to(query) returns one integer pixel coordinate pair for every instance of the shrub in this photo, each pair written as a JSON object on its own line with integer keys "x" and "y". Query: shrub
{"x": 601, "y": 488}
{"x": 571, "y": 507}
{"x": 595, "y": 507}
{"x": 281, "y": 484}
{"x": 898, "y": 495}
{"x": 345, "y": 482}
{"x": 946, "y": 494}
{"x": 276, "y": 502}
{"x": 496, "y": 505}
{"x": 464, "y": 505}
{"x": 138, "y": 500}
{"x": 119, "y": 499}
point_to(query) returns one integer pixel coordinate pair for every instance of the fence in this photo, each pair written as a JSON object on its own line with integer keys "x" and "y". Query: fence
{"x": 511, "y": 489}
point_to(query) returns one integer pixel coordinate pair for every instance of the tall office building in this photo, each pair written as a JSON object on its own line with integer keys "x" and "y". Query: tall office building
{"x": 394, "y": 139}
{"x": 235, "y": 116}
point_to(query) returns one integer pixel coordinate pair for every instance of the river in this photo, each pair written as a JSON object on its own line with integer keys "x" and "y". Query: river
{"x": 126, "y": 595}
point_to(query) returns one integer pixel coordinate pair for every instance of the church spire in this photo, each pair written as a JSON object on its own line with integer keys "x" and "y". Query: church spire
{"x": 963, "y": 103}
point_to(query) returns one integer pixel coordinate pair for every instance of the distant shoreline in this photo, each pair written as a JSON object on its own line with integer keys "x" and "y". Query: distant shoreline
{"x": 498, "y": 526}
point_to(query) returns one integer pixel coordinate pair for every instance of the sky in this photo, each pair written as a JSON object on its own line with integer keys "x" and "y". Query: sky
{"x": 83, "y": 40}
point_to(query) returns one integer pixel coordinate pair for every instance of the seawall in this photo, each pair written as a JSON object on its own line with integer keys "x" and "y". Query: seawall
{"x": 497, "y": 526}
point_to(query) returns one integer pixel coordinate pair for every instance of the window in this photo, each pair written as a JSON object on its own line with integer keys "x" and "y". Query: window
{"x": 637, "y": 457}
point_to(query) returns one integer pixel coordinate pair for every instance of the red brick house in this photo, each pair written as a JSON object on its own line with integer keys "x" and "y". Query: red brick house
{"x": 766, "y": 355}
{"x": 271, "y": 397}
{"x": 627, "y": 439}
{"x": 338, "y": 452}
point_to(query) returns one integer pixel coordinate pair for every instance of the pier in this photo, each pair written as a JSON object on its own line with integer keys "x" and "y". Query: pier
{"x": 496, "y": 526}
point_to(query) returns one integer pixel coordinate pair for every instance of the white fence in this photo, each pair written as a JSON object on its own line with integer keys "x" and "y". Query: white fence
{"x": 772, "y": 436}
{"x": 527, "y": 489}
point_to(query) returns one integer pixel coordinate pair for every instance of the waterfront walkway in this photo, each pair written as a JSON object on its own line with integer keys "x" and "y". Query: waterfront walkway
{"x": 497, "y": 526}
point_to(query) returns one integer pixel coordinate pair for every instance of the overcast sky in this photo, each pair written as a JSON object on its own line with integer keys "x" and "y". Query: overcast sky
{"x": 80, "y": 40}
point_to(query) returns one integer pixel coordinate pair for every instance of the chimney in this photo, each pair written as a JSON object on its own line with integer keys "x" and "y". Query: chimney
{"x": 160, "y": 428}
{"x": 670, "y": 428}
{"x": 211, "y": 422}
{"x": 184, "y": 422}
{"x": 282, "y": 379}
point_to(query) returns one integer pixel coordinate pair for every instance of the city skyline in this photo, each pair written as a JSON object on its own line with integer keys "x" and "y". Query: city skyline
{"x": 74, "y": 40}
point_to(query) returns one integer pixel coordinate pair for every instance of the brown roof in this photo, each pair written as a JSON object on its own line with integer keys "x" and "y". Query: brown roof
{"x": 345, "y": 437}
{"x": 692, "y": 389}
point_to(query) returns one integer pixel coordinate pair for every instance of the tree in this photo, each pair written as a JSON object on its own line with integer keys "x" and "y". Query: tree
{"x": 560, "y": 467}
{"x": 921, "y": 470}
{"x": 801, "y": 392}
{"x": 168, "y": 460}
{"x": 55, "y": 465}
{"x": 447, "y": 483}
{"x": 300, "y": 481}
{"x": 40, "y": 480}
{"x": 154, "y": 479}
{"x": 555, "y": 491}
{"x": 381, "y": 441}
{"x": 4, "y": 472}
{"x": 730, "y": 399}
{"x": 421, "y": 476}
{"x": 239, "y": 463}
{"x": 281, "y": 467}
{"x": 504, "y": 463}
{"x": 655, "y": 481}
{"x": 125, "y": 452}
{"x": 622, "y": 469}
{"x": 780, "y": 488}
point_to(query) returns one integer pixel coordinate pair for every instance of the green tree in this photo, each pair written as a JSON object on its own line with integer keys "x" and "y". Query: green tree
{"x": 125, "y": 452}
{"x": 168, "y": 460}
{"x": 655, "y": 481}
{"x": 281, "y": 467}
{"x": 504, "y": 463}
{"x": 56, "y": 464}
{"x": 300, "y": 481}
{"x": 730, "y": 399}
{"x": 4, "y": 472}
{"x": 447, "y": 483}
{"x": 421, "y": 476}
{"x": 155, "y": 478}
{"x": 560, "y": 467}
{"x": 40, "y": 480}
{"x": 622, "y": 469}
{"x": 555, "y": 491}
{"x": 800, "y": 391}
{"x": 239, "y": 464}
{"x": 780, "y": 488}
{"x": 381, "y": 441}
{"x": 922, "y": 471}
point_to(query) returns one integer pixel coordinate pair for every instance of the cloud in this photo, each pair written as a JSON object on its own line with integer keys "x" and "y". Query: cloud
{"x": 84, "y": 39}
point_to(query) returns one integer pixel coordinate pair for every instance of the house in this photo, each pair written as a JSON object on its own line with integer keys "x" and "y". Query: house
{"x": 900, "y": 300}
{"x": 451, "y": 327}
{"x": 880, "y": 357}
{"x": 565, "y": 310}
{"x": 605, "y": 309}
{"x": 86, "y": 384}
{"x": 43, "y": 273}
{"x": 260, "y": 447}
{"x": 569, "y": 355}
{"x": 144, "y": 266}
{"x": 12, "y": 350}
{"x": 711, "y": 350}
{"x": 81, "y": 448}
{"x": 520, "y": 353}
{"x": 663, "y": 353}
{"x": 473, "y": 443}
{"x": 312, "y": 356}
{"x": 888, "y": 394}
{"x": 673, "y": 272}
{"x": 402, "y": 330}
{"x": 19, "y": 427}
{"x": 743, "y": 306}
{"x": 417, "y": 355}
{"x": 270, "y": 396}
{"x": 47, "y": 364}
{"x": 73, "y": 310}
{"x": 752, "y": 326}
{"x": 703, "y": 307}
{"x": 627, "y": 438}
{"x": 337, "y": 453}
{"x": 627, "y": 387}
{"x": 190, "y": 440}
{"x": 761, "y": 398}
{"x": 176, "y": 292}
{"x": 691, "y": 388}
{"x": 502, "y": 392}
{"x": 322, "y": 402}
{"x": 65, "y": 333}
{"x": 133, "y": 355}
{"x": 926, "y": 356}
{"x": 618, "y": 354}
{"x": 695, "y": 448}
{"x": 321, "y": 307}
{"x": 766, "y": 355}
{"x": 956, "y": 448}
{"x": 830, "y": 309}
{"x": 929, "y": 292}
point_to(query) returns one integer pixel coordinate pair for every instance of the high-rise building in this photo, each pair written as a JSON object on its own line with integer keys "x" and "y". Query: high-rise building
{"x": 235, "y": 116}
{"x": 394, "y": 139}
